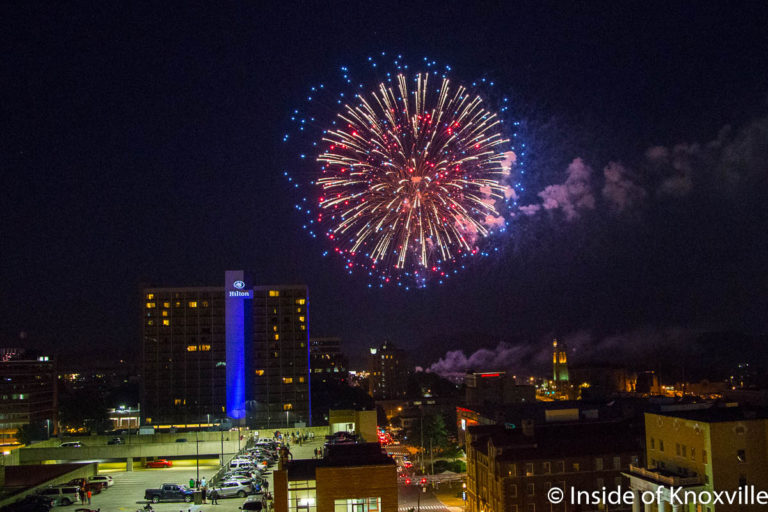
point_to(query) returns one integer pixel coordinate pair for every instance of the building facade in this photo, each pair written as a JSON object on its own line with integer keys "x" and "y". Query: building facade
{"x": 495, "y": 388}
{"x": 237, "y": 353}
{"x": 349, "y": 478}
{"x": 28, "y": 394}
{"x": 387, "y": 372}
{"x": 511, "y": 470}
{"x": 327, "y": 360}
{"x": 706, "y": 450}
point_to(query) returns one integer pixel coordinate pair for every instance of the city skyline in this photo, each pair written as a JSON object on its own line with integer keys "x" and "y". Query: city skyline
{"x": 165, "y": 168}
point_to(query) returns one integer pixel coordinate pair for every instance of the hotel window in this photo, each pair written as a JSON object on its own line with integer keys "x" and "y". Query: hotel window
{"x": 599, "y": 464}
{"x": 300, "y": 301}
{"x": 150, "y": 305}
{"x": 277, "y": 337}
{"x": 599, "y": 483}
{"x": 531, "y": 507}
{"x": 303, "y": 327}
{"x": 150, "y": 296}
{"x": 301, "y": 379}
{"x": 192, "y": 304}
{"x": 677, "y": 449}
{"x": 274, "y": 293}
{"x": 150, "y": 322}
{"x": 259, "y": 372}
{"x": 617, "y": 481}
{"x": 529, "y": 469}
{"x": 513, "y": 491}
{"x": 661, "y": 445}
{"x": 165, "y": 313}
{"x": 178, "y": 304}
{"x": 357, "y": 505}
{"x": 166, "y": 322}
{"x": 287, "y": 407}
{"x": 741, "y": 455}
{"x": 546, "y": 467}
{"x": 561, "y": 466}
{"x": 576, "y": 466}
{"x": 166, "y": 304}
{"x": 287, "y": 380}
{"x": 617, "y": 462}
{"x": 274, "y": 328}
{"x": 301, "y": 319}
{"x": 653, "y": 444}
{"x": 704, "y": 456}
{"x": 529, "y": 489}
{"x": 177, "y": 401}
{"x": 191, "y": 348}
{"x": 205, "y": 303}
{"x": 693, "y": 453}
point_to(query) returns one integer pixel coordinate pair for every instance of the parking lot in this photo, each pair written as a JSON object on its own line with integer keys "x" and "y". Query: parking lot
{"x": 128, "y": 492}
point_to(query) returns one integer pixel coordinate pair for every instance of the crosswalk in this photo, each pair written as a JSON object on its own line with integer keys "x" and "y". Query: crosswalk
{"x": 406, "y": 508}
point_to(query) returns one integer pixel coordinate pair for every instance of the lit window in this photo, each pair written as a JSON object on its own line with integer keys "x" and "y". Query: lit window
{"x": 301, "y": 379}
{"x": 274, "y": 328}
{"x": 301, "y": 319}
{"x": 303, "y": 327}
{"x": 192, "y": 304}
{"x": 150, "y": 305}
{"x": 205, "y": 303}
{"x": 205, "y": 348}
{"x": 165, "y": 313}
{"x": 166, "y": 304}
{"x": 287, "y": 380}
{"x": 287, "y": 407}
{"x": 298, "y": 310}
{"x": 274, "y": 293}
{"x": 178, "y": 304}
{"x": 166, "y": 322}
{"x": 258, "y": 372}
{"x": 150, "y": 296}
{"x": 301, "y": 301}
{"x": 150, "y": 322}
{"x": 277, "y": 337}
{"x": 149, "y": 420}
{"x": 191, "y": 348}
{"x": 177, "y": 401}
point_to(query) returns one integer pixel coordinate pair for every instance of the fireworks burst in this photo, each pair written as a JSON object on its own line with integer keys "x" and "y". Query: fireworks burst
{"x": 412, "y": 179}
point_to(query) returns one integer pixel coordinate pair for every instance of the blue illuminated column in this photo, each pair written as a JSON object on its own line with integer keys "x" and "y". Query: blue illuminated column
{"x": 238, "y": 297}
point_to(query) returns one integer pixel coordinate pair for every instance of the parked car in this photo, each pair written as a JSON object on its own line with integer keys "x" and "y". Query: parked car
{"x": 255, "y": 503}
{"x": 71, "y": 444}
{"x": 181, "y": 440}
{"x": 115, "y": 440}
{"x": 105, "y": 480}
{"x": 233, "y": 488}
{"x": 94, "y": 487}
{"x": 61, "y": 495}
{"x": 169, "y": 492}
{"x": 158, "y": 463}
{"x": 31, "y": 503}
{"x": 241, "y": 463}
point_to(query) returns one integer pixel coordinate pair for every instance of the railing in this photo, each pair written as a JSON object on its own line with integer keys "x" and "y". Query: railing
{"x": 671, "y": 480}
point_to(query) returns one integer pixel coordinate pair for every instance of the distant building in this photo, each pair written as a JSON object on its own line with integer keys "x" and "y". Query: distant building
{"x": 512, "y": 469}
{"x": 715, "y": 449}
{"x": 349, "y": 478}
{"x": 495, "y": 388}
{"x": 387, "y": 372}
{"x": 236, "y": 351}
{"x": 561, "y": 378}
{"x": 598, "y": 381}
{"x": 28, "y": 393}
{"x": 327, "y": 361}
{"x": 360, "y": 423}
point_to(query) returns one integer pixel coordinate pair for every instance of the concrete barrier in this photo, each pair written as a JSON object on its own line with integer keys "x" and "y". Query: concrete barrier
{"x": 144, "y": 450}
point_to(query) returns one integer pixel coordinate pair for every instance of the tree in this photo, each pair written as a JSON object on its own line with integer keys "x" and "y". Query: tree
{"x": 30, "y": 432}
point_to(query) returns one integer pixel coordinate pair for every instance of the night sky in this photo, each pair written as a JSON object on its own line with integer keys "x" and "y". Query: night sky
{"x": 143, "y": 145}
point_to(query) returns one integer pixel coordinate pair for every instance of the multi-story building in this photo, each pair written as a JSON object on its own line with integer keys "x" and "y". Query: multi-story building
{"x": 349, "y": 478}
{"x": 237, "y": 352}
{"x": 387, "y": 372}
{"x": 512, "y": 469}
{"x": 495, "y": 388}
{"x": 28, "y": 393}
{"x": 703, "y": 451}
{"x": 327, "y": 360}
{"x": 560, "y": 377}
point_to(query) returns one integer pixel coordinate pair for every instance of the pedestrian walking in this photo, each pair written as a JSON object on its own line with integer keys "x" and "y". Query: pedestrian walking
{"x": 81, "y": 495}
{"x": 214, "y": 497}
{"x": 89, "y": 496}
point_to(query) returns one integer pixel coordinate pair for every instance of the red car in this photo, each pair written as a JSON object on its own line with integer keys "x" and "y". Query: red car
{"x": 158, "y": 463}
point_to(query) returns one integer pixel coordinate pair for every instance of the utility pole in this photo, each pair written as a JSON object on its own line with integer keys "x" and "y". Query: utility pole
{"x": 431, "y": 458}
{"x": 197, "y": 456}
{"x": 421, "y": 431}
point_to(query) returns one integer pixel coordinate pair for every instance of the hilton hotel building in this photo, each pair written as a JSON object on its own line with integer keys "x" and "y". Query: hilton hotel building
{"x": 234, "y": 352}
